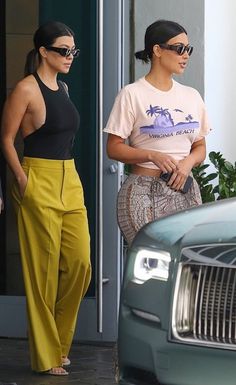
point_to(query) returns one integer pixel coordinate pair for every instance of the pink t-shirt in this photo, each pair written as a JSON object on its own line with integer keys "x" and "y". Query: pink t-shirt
{"x": 166, "y": 121}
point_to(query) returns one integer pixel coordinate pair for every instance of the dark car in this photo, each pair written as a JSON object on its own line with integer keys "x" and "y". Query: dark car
{"x": 177, "y": 322}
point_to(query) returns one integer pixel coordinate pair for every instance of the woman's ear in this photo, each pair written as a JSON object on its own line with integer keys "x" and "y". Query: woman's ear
{"x": 156, "y": 49}
{"x": 43, "y": 52}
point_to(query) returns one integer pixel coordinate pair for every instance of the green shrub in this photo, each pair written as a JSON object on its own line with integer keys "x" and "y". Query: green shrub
{"x": 225, "y": 175}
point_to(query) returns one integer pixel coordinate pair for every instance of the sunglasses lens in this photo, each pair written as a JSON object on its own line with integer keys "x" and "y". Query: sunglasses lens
{"x": 181, "y": 49}
{"x": 190, "y": 50}
{"x": 63, "y": 52}
{"x": 75, "y": 52}
{"x": 69, "y": 52}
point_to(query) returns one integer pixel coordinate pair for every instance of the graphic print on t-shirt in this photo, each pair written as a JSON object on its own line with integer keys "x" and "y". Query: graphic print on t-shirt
{"x": 167, "y": 122}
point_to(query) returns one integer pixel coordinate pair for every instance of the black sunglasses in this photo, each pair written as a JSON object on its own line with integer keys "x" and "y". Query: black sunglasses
{"x": 65, "y": 52}
{"x": 179, "y": 48}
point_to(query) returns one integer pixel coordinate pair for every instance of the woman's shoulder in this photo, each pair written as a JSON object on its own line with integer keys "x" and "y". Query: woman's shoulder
{"x": 26, "y": 86}
{"x": 134, "y": 85}
{"x": 187, "y": 89}
{"x": 131, "y": 89}
{"x": 23, "y": 93}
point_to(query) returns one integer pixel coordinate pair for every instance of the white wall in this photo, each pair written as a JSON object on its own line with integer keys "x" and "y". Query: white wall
{"x": 220, "y": 75}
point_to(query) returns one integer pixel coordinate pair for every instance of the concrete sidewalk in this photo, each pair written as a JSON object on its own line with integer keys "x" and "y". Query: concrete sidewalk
{"x": 91, "y": 365}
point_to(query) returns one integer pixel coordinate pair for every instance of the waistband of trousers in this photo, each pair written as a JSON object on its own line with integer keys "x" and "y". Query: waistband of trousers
{"x": 48, "y": 163}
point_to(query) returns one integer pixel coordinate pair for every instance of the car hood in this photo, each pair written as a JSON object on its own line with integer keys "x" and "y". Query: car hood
{"x": 211, "y": 222}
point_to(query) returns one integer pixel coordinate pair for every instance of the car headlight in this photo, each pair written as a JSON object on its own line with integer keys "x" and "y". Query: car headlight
{"x": 151, "y": 265}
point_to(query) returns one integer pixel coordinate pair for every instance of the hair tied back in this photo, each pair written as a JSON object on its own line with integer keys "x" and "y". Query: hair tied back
{"x": 142, "y": 55}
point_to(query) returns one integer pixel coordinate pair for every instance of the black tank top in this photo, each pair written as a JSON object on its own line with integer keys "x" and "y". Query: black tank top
{"x": 54, "y": 139}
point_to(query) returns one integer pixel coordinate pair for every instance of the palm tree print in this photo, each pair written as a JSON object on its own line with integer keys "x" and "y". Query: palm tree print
{"x": 189, "y": 118}
{"x": 168, "y": 121}
{"x": 153, "y": 110}
{"x": 159, "y": 111}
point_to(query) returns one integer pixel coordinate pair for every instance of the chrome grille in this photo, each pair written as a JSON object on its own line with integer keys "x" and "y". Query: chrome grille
{"x": 209, "y": 293}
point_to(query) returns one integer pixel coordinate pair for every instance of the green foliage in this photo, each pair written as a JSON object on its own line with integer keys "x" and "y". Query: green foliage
{"x": 127, "y": 169}
{"x": 226, "y": 178}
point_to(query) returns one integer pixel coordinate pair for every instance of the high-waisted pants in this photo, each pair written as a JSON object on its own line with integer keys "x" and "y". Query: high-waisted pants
{"x": 55, "y": 253}
{"x": 143, "y": 199}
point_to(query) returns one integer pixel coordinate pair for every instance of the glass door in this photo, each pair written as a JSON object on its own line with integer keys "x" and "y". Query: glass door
{"x": 93, "y": 83}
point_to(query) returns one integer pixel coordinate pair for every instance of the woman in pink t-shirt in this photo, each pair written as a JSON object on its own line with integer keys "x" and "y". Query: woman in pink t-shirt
{"x": 158, "y": 126}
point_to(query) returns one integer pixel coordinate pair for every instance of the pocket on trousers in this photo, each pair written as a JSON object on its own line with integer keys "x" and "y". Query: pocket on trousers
{"x": 15, "y": 189}
{"x": 78, "y": 187}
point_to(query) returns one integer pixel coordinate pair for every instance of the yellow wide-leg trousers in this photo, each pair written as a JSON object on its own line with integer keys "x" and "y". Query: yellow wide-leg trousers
{"x": 55, "y": 252}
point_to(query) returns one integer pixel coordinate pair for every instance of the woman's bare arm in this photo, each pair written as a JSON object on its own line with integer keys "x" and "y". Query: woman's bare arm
{"x": 13, "y": 113}
{"x": 117, "y": 149}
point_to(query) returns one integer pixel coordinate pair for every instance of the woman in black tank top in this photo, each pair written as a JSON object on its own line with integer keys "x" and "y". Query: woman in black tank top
{"x": 48, "y": 198}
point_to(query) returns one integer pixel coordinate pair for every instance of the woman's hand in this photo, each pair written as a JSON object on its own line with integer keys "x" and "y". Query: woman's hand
{"x": 180, "y": 175}
{"x": 196, "y": 156}
{"x": 22, "y": 184}
{"x": 164, "y": 162}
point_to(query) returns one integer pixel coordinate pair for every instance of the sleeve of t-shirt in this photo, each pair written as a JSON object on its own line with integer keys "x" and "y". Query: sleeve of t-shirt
{"x": 121, "y": 119}
{"x": 205, "y": 127}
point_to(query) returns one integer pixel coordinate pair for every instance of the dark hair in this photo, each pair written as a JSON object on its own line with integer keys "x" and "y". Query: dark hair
{"x": 158, "y": 32}
{"x": 45, "y": 36}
